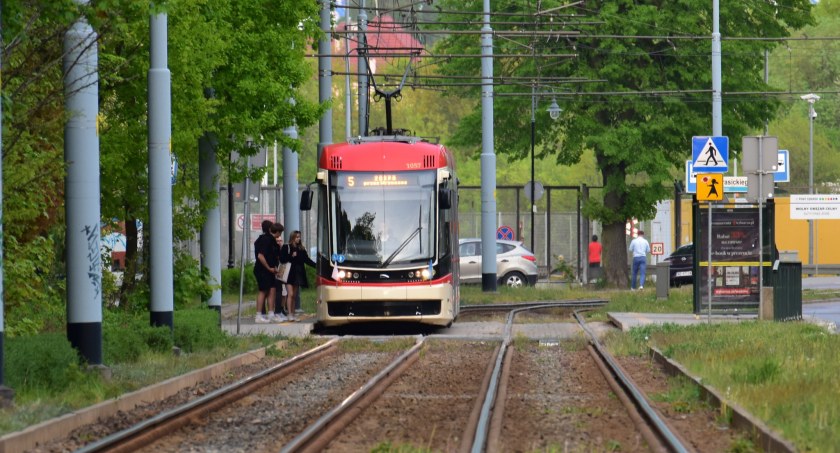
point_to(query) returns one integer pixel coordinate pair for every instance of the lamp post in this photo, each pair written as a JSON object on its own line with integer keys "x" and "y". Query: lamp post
{"x": 811, "y": 99}
{"x": 554, "y": 112}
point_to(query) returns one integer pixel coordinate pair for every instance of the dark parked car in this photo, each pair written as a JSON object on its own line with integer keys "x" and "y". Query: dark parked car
{"x": 682, "y": 265}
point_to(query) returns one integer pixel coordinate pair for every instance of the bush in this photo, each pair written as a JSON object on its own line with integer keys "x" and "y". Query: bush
{"x": 190, "y": 282}
{"x": 198, "y": 330}
{"x": 126, "y": 337}
{"x": 45, "y": 362}
{"x": 230, "y": 280}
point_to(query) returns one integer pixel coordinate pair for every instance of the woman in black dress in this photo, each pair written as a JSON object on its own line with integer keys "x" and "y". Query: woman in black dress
{"x": 294, "y": 252}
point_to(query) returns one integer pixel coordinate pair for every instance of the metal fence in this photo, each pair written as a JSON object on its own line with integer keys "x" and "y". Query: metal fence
{"x": 557, "y": 230}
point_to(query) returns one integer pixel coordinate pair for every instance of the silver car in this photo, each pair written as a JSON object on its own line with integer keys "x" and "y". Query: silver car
{"x": 515, "y": 264}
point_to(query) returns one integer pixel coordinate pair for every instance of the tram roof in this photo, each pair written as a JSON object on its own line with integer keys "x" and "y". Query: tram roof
{"x": 384, "y": 153}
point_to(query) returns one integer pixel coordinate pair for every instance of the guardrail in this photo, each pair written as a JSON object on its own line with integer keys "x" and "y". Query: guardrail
{"x": 821, "y": 269}
{"x": 807, "y": 269}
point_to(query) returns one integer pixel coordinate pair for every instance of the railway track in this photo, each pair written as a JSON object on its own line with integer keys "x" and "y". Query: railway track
{"x": 443, "y": 394}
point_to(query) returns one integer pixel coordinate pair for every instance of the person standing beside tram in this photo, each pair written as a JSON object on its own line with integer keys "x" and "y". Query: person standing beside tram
{"x": 265, "y": 267}
{"x": 295, "y": 253}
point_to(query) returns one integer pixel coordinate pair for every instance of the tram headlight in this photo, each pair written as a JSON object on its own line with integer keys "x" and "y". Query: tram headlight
{"x": 341, "y": 275}
{"x": 426, "y": 274}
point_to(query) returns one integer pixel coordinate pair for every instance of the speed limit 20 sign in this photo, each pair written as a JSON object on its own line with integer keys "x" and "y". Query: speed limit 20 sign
{"x": 657, "y": 248}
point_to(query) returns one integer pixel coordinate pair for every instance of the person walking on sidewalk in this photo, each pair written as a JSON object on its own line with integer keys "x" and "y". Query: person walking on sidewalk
{"x": 294, "y": 252}
{"x": 640, "y": 249}
{"x": 594, "y": 258}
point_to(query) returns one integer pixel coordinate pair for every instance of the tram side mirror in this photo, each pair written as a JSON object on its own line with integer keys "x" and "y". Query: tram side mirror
{"x": 444, "y": 199}
{"x": 306, "y": 200}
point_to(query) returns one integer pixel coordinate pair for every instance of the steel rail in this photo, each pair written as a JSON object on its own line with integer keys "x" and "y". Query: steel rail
{"x": 313, "y": 438}
{"x": 114, "y": 441}
{"x": 661, "y": 428}
{"x": 531, "y": 305}
{"x": 482, "y": 432}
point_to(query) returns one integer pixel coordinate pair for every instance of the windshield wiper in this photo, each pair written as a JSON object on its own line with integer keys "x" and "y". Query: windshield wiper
{"x": 401, "y": 247}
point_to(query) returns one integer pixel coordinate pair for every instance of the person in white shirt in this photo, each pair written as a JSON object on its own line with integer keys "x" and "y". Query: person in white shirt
{"x": 640, "y": 248}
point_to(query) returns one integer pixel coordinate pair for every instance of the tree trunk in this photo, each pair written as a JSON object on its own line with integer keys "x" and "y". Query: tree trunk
{"x": 614, "y": 254}
{"x": 130, "y": 272}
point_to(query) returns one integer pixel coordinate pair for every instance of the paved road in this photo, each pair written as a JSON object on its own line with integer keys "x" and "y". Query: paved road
{"x": 821, "y": 283}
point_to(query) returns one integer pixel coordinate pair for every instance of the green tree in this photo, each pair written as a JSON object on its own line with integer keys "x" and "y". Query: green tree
{"x": 810, "y": 66}
{"x": 627, "y": 50}
{"x": 250, "y": 53}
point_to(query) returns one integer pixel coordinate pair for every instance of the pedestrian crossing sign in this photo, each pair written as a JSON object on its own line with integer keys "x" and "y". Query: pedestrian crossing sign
{"x": 710, "y": 187}
{"x": 710, "y": 154}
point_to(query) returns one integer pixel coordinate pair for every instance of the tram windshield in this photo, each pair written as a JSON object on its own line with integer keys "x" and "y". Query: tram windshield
{"x": 382, "y": 219}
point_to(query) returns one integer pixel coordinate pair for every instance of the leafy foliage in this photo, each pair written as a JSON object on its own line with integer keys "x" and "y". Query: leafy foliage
{"x": 198, "y": 329}
{"x": 250, "y": 52}
{"x": 625, "y": 55}
{"x": 126, "y": 337}
{"x": 46, "y": 362}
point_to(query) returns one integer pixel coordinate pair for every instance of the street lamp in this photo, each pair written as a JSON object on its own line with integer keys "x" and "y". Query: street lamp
{"x": 554, "y": 112}
{"x": 812, "y": 99}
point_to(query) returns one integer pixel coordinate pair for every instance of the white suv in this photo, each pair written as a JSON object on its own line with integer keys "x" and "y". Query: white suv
{"x": 515, "y": 265}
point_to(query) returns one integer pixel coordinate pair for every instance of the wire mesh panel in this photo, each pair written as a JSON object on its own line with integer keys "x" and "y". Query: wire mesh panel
{"x": 556, "y": 228}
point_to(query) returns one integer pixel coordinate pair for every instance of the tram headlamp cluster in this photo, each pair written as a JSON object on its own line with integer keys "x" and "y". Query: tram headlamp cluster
{"x": 341, "y": 275}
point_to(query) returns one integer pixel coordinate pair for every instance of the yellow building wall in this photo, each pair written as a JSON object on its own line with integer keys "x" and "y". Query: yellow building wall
{"x": 791, "y": 235}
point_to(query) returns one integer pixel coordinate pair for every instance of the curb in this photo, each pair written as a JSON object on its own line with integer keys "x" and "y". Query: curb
{"x": 766, "y": 439}
{"x": 59, "y": 427}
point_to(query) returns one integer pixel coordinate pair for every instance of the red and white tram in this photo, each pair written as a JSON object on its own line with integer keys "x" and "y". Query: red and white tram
{"x": 387, "y": 232}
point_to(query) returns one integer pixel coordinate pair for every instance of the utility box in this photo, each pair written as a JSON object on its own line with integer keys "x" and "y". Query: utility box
{"x": 663, "y": 279}
{"x": 789, "y": 255}
{"x": 787, "y": 290}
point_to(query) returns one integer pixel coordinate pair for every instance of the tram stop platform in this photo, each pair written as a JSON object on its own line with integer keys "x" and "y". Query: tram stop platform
{"x": 826, "y": 314}
{"x": 627, "y": 321}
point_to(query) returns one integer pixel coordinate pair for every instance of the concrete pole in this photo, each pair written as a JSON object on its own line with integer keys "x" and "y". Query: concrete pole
{"x": 533, "y": 175}
{"x": 717, "y": 99}
{"x": 348, "y": 97}
{"x": 82, "y": 210}
{"x": 291, "y": 205}
{"x": 325, "y": 78}
{"x": 488, "y": 160}
{"x": 811, "y": 115}
{"x": 363, "y": 72}
{"x": 160, "y": 184}
{"x": 211, "y": 229}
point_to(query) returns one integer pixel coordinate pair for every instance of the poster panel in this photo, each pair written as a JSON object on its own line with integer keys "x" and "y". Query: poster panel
{"x": 735, "y": 256}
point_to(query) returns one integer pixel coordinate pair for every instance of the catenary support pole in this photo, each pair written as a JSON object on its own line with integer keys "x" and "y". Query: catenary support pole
{"x": 160, "y": 183}
{"x": 211, "y": 229}
{"x": 488, "y": 160}
{"x": 533, "y": 174}
{"x": 348, "y": 96}
{"x": 81, "y": 156}
{"x": 325, "y": 136}
{"x": 717, "y": 100}
{"x": 291, "y": 205}
{"x": 363, "y": 71}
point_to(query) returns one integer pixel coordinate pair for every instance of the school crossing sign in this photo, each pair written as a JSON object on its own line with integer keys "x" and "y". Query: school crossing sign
{"x": 710, "y": 154}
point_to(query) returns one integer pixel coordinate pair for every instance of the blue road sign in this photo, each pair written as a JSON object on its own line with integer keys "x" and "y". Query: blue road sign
{"x": 710, "y": 154}
{"x": 782, "y": 173}
{"x": 505, "y": 233}
{"x": 690, "y": 178}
